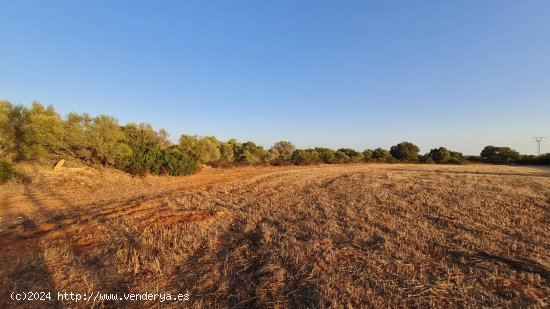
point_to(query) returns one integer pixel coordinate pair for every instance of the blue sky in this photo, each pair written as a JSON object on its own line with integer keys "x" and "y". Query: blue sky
{"x": 360, "y": 74}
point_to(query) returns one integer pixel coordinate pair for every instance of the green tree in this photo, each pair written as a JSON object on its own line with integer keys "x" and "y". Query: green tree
{"x": 7, "y": 129}
{"x": 405, "y": 151}
{"x": 353, "y": 156}
{"x": 203, "y": 149}
{"x": 77, "y": 135}
{"x": 107, "y": 142}
{"x": 368, "y": 155}
{"x": 282, "y": 150}
{"x": 42, "y": 132}
{"x": 326, "y": 155}
{"x": 381, "y": 155}
{"x": 252, "y": 153}
{"x": 226, "y": 153}
{"x": 440, "y": 155}
{"x": 305, "y": 157}
{"x": 499, "y": 155}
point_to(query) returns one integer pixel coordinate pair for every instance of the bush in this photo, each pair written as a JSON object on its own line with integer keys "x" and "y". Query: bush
{"x": 282, "y": 151}
{"x": 204, "y": 149}
{"x": 427, "y": 159}
{"x": 160, "y": 161}
{"x": 145, "y": 160}
{"x": 7, "y": 172}
{"x": 499, "y": 155}
{"x": 41, "y": 132}
{"x": 107, "y": 142}
{"x": 8, "y": 117}
{"x": 405, "y": 151}
{"x": 350, "y": 155}
{"x": 305, "y": 157}
{"x": 441, "y": 155}
{"x": 326, "y": 155}
{"x": 367, "y": 155}
{"x": 249, "y": 153}
{"x": 474, "y": 159}
{"x": 544, "y": 159}
{"x": 176, "y": 163}
{"x": 456, "y": 161}
{"x": 382, "y": 155}
{"x": 227, "y": 156}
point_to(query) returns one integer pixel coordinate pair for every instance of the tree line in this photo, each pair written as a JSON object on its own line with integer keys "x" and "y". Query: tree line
{"x": 39, "y": 133}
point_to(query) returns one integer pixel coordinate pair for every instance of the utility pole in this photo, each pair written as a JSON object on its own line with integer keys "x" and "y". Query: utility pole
{"x": 538, "y": 139}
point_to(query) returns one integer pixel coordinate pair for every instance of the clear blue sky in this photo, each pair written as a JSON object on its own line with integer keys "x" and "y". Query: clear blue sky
{"x": 360, "y": 74}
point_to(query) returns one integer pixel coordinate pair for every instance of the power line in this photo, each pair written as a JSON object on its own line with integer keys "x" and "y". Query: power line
{"x": 538, "y": 139}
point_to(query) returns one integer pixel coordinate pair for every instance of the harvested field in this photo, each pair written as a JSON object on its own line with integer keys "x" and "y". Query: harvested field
{"x": 363, "y": 235}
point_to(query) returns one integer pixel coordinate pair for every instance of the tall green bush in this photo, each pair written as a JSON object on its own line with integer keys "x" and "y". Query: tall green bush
{"x": 41, "y": 132}
{"x": 203, "y": 149}
{"x": 282, "y": 151}
{"x": 381, "y": 155}
{"x": 326, "y": 155}
{"x": 499, "y": 155}
{"x": 7, "y": 128}
{"x": 405, "y": 151}
{"x": 305, "y": 157}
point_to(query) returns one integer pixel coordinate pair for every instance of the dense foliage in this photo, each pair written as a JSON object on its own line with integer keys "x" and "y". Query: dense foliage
{"x": 7, "y": 172}
{"x": 39, "y": 133}
{"x": 442, "y": 155}
{"x": 405, "y": 151}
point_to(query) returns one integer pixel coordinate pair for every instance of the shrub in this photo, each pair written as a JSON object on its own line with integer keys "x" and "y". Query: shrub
{"x": 204, "y": 149}
{"x": 305, "y": 157}
{"x": 160, "y": 161}
{"x": 405, "y": 151}
{"x": 176, "y": 163}
{"x": 7, "y": 128}
{"x": 77, "y": 137}
{"x": 7, "y": 172}
{"x": 227, "y": 155}
{"x": 326, "y": 155}
{"x": 107, "y": 142}
{"x": 474, "y": 159}
{"x": 457, "y": 158}
{"x": 367, "y": 155}
{"x": 499, "y": 155}
{"x": 352, "y": 155}
{"x": 427, "y": 159}
{"x": 145, "y": 160}
{"x": 41, "y": 132}
{"x": 282, "y": 151}
{"x": 381, "y": 155}
{"x": 250, "y": 153}
{"x": 341, "y": 157}
{"x": 439, "y": 155}
{"x": 544, "y": 159}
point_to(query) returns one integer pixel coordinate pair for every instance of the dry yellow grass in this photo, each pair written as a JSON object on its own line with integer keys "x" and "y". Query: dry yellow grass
{"x": 330, "y": 236}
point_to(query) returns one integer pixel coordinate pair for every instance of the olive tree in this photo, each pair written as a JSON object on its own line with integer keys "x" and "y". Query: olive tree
{"x": 42, "y": 132}
{"x": 405, "y": 151}
{"x": 282, "y": 150}
{"x": 203, "y": 149}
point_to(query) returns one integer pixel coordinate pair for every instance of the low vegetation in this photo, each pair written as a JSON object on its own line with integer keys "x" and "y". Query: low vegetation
{"x": 7, "y": 172}
{"x": 39, "y": 133}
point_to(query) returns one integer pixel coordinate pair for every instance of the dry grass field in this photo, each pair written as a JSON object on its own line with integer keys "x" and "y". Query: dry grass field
{"x": 341, "y": 236}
